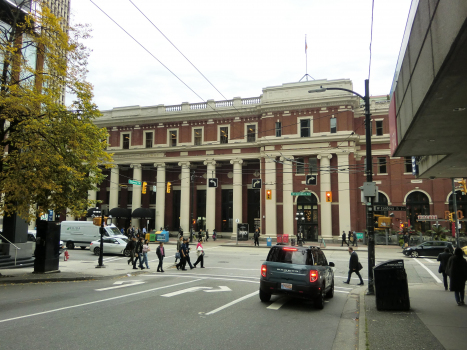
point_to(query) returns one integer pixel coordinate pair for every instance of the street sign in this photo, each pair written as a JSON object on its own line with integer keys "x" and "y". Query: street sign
{"x": 212, "y": 182}
{"x": 300, "y": 193}
{"x": 50, "y": 215}
{"x": 242, "y": 232}
{"x": 427, "y": 217}
{"x": 134, "y": 182}
{"x": 256, "y": 183}
{"x": 310, "y": 180}
{"x": 389, "y": 208}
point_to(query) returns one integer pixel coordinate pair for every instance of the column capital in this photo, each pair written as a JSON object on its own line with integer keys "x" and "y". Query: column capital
{"x": 159, "y": 165}
{"x": 236, "y": 161}
{"x": 328, "y": 156}
{"x": 184, "y": 164}
{"x": 135, "y": 166}
{"x": 209, "y": 162}
{"x": 282, "y": 158}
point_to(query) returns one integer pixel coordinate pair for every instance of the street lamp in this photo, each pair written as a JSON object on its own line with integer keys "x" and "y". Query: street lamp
{"x": 300, "y": 218}
{"x": 369, "y": 179}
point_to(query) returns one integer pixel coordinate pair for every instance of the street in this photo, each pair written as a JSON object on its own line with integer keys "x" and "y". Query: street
{"x": 211, "y": 308}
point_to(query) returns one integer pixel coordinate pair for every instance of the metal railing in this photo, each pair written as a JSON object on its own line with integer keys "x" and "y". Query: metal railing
{"x": 16, "y": 247}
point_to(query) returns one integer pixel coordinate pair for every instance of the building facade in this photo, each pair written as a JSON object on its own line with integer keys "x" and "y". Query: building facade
{"x": 267, "y": 161}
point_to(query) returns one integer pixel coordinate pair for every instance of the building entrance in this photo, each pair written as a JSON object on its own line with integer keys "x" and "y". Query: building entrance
{"x": 308, "y": 205}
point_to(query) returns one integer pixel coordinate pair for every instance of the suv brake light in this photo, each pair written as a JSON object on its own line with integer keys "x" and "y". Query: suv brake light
{"x": 264, "y": 270}
{"x": 314, "y": 275}
{"x": 290, "y": 249}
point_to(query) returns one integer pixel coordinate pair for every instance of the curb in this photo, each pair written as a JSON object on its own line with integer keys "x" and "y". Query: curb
{"x": 362, "y": 321}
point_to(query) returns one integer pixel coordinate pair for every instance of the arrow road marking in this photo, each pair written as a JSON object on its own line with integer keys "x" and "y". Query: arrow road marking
{"x": 122, "y": 284}
{"x": 222, "y": 289}
{"x": 188, "y": 290}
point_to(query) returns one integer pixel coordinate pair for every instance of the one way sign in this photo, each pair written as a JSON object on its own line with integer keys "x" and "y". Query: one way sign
{"x": 311, "y": 179}
{"x": 213, "y": 182}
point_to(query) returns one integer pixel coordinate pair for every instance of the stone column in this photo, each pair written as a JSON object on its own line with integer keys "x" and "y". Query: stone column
{"x": 136, "y": 195}
{"x": 344, "y": 192}
{"x": 325, "y": 185}
{"x": 270, "y": 228}
{"x": 160, "y": 195}
{"x": 287, "y": 198}
{"x": 185, "y": 197}
{"x": 237, "y": 194}
{"x": 114, "y": 188}
{"x": 210, "y": 196}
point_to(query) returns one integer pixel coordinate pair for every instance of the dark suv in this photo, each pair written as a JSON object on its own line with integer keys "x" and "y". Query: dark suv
{"x": 299, "y": 272}
{"x": 430, "y": 248}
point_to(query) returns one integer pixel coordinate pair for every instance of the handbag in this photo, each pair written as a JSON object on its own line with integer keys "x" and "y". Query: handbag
{"x": 177, "y": 255}
{"x": 359, "y": 266}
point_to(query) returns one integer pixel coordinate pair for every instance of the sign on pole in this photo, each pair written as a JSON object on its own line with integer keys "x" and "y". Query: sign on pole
{"x": 213, "y": 182}
{"x": 310, "y": 180}
{"x": 300, "y": 193}
{"x": 256, "y": 183}
{"x": 242, "y": 232}
{"x": 389, "y": 208}
{"x": 134, "y": 182}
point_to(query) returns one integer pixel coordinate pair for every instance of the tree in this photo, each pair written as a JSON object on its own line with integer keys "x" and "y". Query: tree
{"x": 53, "y": 152}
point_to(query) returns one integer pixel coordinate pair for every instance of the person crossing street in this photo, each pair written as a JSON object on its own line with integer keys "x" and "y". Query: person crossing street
{"x": 354, "y": 266}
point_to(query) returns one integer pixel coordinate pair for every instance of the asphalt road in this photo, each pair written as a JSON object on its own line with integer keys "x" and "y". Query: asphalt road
{"x": 212, "y": 308}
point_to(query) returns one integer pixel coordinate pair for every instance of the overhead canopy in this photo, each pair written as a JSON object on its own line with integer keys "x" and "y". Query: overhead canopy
{"x": 143, "y": 213}
{"x": 120, "y": 213}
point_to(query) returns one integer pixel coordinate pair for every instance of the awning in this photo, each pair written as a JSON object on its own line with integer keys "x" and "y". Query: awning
{"x": 120, "y": 213}
{"x": 143, "y": 213}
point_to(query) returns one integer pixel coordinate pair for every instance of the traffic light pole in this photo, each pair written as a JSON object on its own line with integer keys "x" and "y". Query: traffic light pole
{"x": 454, "y": 209}
{"x": 101, "y": 250}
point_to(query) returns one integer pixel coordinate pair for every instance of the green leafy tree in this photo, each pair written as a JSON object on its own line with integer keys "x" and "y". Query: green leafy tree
{"x": 52, "y": 152}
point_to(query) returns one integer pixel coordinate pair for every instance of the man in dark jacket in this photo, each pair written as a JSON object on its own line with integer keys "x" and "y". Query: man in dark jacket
{"x": 443, "y": 259}
{"x": 131, "y": 245}
{"x": 160, "y": 252}
{"x": 343, "y": 239}
{"x": 138, "y": 254}
{"x": 354, "y": 266}
{"x": 256, "y": 237}
{"x": 187, "y": 254}
{"x": 457, "y": 271}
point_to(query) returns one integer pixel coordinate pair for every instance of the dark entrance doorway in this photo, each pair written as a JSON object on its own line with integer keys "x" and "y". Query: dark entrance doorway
{"x": 308, "y": 205}
{"x": 417, "y": 204}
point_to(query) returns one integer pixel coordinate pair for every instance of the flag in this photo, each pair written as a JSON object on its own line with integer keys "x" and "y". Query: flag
{"x": 306, "y": 46}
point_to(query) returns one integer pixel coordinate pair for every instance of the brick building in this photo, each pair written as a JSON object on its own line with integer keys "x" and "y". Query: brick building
{"x": 280, "y": 137}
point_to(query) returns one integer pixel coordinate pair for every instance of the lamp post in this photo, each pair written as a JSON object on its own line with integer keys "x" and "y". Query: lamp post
{"x": 100, "y": 263}
{"x": 300, "y": 218}
{"x": 369, "y": 179}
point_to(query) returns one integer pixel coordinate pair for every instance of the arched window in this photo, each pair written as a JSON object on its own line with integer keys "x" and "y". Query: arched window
{"x": 417, "y": 204}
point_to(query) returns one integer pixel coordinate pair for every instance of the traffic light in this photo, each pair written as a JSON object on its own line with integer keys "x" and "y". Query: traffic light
{"x": 268, "y": 194}
{"x": 451, "y": 217}
{"x": 169, "y": 187}
{"x": 328, "y": 196}
{"x": 402, "y": 226}
{"x": 145, "y": 186}
{"x": 97, "y": 221}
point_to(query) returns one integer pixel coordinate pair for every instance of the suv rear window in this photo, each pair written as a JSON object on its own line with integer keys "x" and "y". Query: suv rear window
{"x": 299, "y": 256}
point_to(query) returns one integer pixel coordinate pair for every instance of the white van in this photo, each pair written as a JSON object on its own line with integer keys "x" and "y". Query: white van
{"x": 82, "y": 233}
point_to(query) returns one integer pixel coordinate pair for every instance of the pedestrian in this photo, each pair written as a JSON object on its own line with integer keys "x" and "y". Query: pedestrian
{"x": 214, "y": 235}
{"x": 256, "y": 237}
{"x": 144, "y": 232}
{"x": 351, "y": 238}
{"x": 146, "y": 249}
{"x": 122, "y": 231}
{"x": 187, "y": 254}
{"x": 177, "y": 253}
{"x": 443, "y": 259}
{"x": 457, "y": 272}
{"x": 160, "y": 252}
{"x": 200, "y": 253}
{"x": 354, "y": 266}
{"x": 344, "y": 239}
{"x": 207, "y": 235}
{"x": 131, "y": 245}
{"x": 139, "y": 254}
{"x": 181, "y": 264}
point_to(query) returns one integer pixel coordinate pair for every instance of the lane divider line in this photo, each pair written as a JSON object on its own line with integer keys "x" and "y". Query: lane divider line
{"x": 232, "y": 303}
{"x": 277, "y": 304}
{"x": 429, "y": 271}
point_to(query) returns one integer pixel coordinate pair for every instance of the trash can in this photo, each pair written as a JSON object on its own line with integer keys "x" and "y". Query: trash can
{"x": 285, "y": 238}
{"x": 268, "y": 242}
{"x": 391, "y": 287}
{"x": 152, "y": 236}
{"x": 162, "y": 236}
{"x": 293, "y": 241}
{"x": 147, "y": 236}
{"x": 279, "y": 238}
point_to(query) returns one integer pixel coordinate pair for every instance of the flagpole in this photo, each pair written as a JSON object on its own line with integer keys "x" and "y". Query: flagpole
{"x": 306, "y": 59}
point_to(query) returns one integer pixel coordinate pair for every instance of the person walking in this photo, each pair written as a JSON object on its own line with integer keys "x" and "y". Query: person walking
{"x": 344, "y": 239}
{"x": 200, "y": 252}
{"x": 214, "y": 235}
{"x": 138, "y": 254}
{"x": 256, "y": 237}
{"x": 177, "y": 253}
{"x": 351, "y": 239}
{"x": 131, "y": 245}
{"x": 443, "y": 259}
{"x": 207, "y": 235}
{"x": 187, "y": 255}
{"x": 354, "y": 266}
{"x": 146, "y": 249}
{"x": 457, "y": 272}
{"x": 182, "y": 263}
{"x": 160, "y": 252}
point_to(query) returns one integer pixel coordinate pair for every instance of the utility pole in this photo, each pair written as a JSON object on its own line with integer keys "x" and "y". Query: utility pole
{"x": 454, "y": 209}
{"x": 192, "y": 181}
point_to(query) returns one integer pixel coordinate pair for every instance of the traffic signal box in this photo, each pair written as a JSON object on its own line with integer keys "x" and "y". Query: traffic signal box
{"x": 169, "y": 187}
{"x": 144, "y": 188}
{"x": 268, "y": 194}
{"x": 98, "y": 220}
{"x": 328, "y": 196}
{"x": 382, "y": 222}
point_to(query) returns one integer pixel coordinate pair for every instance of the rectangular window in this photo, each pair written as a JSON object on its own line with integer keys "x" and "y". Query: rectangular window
{"x": 333, "y": 125}
{"x": 251, "y": 133}
{"x": 313, "y": 165}
{"x": 379, "y": 128}
{"x": 408, "y": 164}
{"x": 198, "y": 136}
{"x": 173, "y": 138}
{"x": 382, "y": 168}
{"x": 300, "y": 166}
{"x": 126, "y": 141}
{"x": 278, "y": 129}
{"x": 152, "y": 199}
{"x": 224, "y": 134}
{"x": 129, "y": 198}
{"x": 149, "y": 137}
{"x": 305, "y": 128}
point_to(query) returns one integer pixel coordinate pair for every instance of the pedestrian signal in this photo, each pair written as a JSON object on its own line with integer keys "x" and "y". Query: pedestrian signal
{"x": 144, "y": 188}
{"x": 328, "y": 196}
{"x": 268, "y": 194}
{"x": 169, "y": 187}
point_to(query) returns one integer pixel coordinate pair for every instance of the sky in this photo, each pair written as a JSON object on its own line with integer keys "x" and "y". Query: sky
{"x": 240, "y": 46}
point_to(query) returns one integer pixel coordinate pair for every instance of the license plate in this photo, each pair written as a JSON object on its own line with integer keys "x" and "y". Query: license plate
{"x": 286, "y": 286}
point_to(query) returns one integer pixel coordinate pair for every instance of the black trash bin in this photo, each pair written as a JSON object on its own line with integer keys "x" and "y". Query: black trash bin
{"x": 292, "y": 241}
{"x": 391, "y": 287}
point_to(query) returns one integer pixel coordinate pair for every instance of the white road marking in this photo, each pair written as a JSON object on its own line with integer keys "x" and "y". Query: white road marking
{"x": 207, "y": 275}
{"x": 204, "y": 278}
{"x": 353, "y": 278}
{"x": 187, "y": 290}
{"x": 341, "y": 291}
{"x": 429, "y": 271}
{"x": 277, "y": 304}
{"x": 222, "y": 289}
{"x": 96, "y": 301}
{"x": 122, "y": 284}
{"x": 233, "y": 268}
{"x": 232, "y": 303}
{"x": 430, "y": 261}
{"x": 342, "y": 288}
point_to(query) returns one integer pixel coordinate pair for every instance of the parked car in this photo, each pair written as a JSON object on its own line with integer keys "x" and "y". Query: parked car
{"x": 112, "y": 245}
{"x": 301, "y": 272}
{"x": 429, "y": 248}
